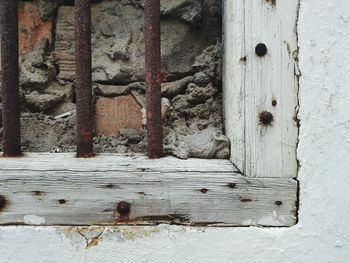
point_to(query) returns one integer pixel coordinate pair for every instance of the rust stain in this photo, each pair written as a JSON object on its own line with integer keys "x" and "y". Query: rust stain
{"x": 86, "y": 232}
{"x": 123, "y": 208}
{"x": 84, "y": 123}
{"x": 266, "y": 118}
{"x": 3, "y": 203}
{"x": 173, "y": 218}
{"x": 11, "y": 106}
{"x": 93, "y": 242}
{"x": 153, "y": 78}
{"x": 32, "y": 28}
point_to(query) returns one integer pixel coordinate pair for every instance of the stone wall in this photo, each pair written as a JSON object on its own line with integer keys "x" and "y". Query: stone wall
{"x": 191, "y": 75}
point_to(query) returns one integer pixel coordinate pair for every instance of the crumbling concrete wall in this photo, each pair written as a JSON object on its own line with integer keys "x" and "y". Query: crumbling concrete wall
{"x": 191, "y": 75}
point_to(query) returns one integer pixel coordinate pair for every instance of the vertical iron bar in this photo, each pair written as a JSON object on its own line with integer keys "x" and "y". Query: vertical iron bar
{"x": 153, "y": 78}
{"x": 83, "y": 78}
{"x": 11, "y": 108}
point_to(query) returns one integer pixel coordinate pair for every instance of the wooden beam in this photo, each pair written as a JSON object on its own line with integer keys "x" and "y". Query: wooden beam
{"x": 261, "y": 82}
{"x": 58, "y": 189}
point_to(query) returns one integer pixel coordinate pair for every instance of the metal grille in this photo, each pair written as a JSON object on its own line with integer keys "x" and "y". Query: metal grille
{"x": 84, "y": 122}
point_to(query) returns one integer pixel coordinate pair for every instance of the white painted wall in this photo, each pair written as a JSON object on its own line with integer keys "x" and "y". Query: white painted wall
{"x": 323, "y": 232}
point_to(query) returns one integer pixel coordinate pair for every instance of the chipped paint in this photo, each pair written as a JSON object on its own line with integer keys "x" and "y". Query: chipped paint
{"x": 33, "y": 220}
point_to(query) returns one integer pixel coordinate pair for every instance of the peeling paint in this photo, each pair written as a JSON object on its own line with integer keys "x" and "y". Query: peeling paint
{"x": 133, "y": 233}
{"x": 94, "y": 240}
{"x": 92, "y": 236}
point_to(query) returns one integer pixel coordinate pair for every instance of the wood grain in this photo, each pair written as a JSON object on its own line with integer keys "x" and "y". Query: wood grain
{"x": 58, "y": 189}
{"x": 254, "y": 84}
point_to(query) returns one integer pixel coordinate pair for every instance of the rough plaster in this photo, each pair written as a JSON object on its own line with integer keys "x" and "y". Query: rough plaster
{"x": 322, "y": 234}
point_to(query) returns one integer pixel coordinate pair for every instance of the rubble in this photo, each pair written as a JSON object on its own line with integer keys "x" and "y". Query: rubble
{"x": 36, "y": 67}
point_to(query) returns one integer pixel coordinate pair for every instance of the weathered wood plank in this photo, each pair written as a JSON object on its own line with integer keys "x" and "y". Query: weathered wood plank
{"x": 254, "y": 84}
{"x": 56, "y": 189}
{"x": 113, "y": 163}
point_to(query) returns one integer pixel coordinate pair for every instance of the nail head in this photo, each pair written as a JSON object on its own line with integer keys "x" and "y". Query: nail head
{"x": 123, "y": 208}
{"x": 265, "y": 117}
{"x": 260, "y": 49}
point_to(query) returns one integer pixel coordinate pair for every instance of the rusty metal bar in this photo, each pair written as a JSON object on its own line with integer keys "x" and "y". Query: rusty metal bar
{"x": 84, "y": 121}
{"x": 153, "y": 78}
{"x": 11, "y": 107}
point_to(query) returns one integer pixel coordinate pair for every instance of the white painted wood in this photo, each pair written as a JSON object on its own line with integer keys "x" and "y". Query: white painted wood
{"x": 58, "y": 189}
{"x": 252, "y": 82}
{"x": 113, "y": 162}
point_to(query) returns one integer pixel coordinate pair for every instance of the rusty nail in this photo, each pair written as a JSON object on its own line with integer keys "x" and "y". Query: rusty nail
{"x": 265, "y": 117}
{"x": 153, "y": 78}
{"x": 260, "y": 49}
{"x": 274, "y": 102}
{"x": 83, "y": 78}
{"x": 11, "y": 107}
{"x": 123, "y": 208}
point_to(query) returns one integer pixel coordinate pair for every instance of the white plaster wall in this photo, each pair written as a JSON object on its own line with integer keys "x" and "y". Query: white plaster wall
{"x": 323, "y": 232}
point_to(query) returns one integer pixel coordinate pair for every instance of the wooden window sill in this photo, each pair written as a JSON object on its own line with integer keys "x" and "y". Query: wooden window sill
{"x": 58, "y": 189}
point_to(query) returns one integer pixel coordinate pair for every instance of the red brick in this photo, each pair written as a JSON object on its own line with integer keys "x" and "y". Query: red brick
{"x": 113, "y": 114}
{"x": 31, "y": 27}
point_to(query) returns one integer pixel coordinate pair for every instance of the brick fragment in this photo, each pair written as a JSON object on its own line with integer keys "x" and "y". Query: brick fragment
{"x": 32, "y": 28}
{"x": 113, "y": 114}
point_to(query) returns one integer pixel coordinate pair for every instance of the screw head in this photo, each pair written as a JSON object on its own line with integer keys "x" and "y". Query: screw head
{"x": 123, "y": 208}
{"x": 260, "y": 50}
{"x": 265, "y": 117}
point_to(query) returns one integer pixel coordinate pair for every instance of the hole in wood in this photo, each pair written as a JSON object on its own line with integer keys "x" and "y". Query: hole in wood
{"x": 62, "y": 201}
{"x": 204, "y": 190}
{"x": 231, "y": 185}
